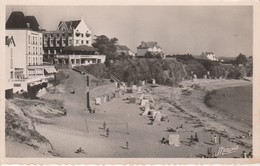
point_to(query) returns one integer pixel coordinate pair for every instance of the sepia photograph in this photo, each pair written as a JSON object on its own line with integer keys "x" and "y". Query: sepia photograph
{"x": 140, "y": 81}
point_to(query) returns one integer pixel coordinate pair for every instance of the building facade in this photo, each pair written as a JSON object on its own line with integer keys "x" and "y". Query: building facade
{"x": 124, "y": 50}
{"x": 27, "y": 55}
{"x": 149, "y": 47}
{"x": 70, "y": 44}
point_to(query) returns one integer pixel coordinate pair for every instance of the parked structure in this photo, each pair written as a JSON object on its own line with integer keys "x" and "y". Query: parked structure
{"x": 26, "y": 57}
{"x": 124, "y": 50}
{"x": 149, "y": 47}
{"x": 209, "y": 56}
{"x": 70, "y": 44}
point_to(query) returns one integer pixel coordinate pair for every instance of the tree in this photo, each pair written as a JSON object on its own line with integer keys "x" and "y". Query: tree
{"x": 149, "y": 54}
{"x": 241, "y": 59}
{"x": 106, "y": 46}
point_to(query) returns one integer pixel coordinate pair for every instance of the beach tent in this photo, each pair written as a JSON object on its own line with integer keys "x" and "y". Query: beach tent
{"x": 143, "y": 102}
{"x": 139, "y": 90}
{"x": 146, "y": 110}
{"x": 98, "y": 101}
{"x": 117, "y": 94}
{"x": 132, "y": 100}
{"x": 158, "y": 117}
{"x": 174, "y": 139}
{"x": 154, "y": 113}
{"x": 134, "y": 87}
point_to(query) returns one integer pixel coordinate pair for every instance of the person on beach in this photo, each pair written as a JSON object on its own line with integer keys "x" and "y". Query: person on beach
{"x": 249, "y": 133}
{"x": 104, "y": 125}
{"x": 107, "y": 131}
{"x": 215, "y": 139}
{"x": 126, "y": 144}
{"x": 244, "y": 154}
{"x": 250, "y": 155}
{"x": 219, "y": 139}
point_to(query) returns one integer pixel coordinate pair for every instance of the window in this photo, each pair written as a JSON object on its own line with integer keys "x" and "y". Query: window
{"x": 86, "y": 41}
{"x": 29, "y": 61}
{"x": 77, "y": 41}
{"x": 82, "y": 42}
{"x": 82, "y": 35}
{"x": 29, "y": 38}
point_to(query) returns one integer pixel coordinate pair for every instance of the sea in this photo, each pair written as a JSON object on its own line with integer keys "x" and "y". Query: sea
{"x": 235, "y": 101}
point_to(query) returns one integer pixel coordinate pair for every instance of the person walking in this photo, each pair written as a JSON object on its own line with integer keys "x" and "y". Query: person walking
{"x": 126, "y": 144}
{"x": 215, "y": 139}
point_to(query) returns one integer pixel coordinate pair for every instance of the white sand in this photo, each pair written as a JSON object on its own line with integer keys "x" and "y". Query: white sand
{"x": 68, "y": 133}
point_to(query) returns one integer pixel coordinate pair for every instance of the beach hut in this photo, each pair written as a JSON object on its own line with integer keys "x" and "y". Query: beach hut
{"x": 98, "y": 101}
{"x": 132, "y": 100}
{"x": 174, "y": 139}
{"x": 134, "y": 88}
{"x": 146, "y": 109}
{"x": 158, "y": 116}
{"x": 143, "y": 102}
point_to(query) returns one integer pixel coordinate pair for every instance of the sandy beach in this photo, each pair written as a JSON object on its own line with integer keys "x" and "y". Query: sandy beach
{"x": 184, "y": 106}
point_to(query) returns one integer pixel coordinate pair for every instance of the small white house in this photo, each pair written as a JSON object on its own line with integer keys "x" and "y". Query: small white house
{"x": 209, "y": 56}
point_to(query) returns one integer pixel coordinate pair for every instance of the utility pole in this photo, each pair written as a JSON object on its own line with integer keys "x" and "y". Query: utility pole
{"x": 87, "y": 93}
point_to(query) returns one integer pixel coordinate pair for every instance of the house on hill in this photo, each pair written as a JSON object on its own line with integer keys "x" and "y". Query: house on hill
{"x": 149, "y": 47}
{"x": 122, "y": 49}
{"x": 70, "y": 45}
{"x": 208, "y": 56}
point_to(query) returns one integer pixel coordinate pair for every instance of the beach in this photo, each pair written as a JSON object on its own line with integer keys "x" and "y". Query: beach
{"x": 183, "y": 105}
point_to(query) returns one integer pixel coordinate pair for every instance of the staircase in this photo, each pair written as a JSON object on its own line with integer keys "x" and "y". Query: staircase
{"x": 116, "y": 79}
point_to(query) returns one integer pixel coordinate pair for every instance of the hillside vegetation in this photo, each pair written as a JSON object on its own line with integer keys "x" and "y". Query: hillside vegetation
{"x": 165, "y": 71}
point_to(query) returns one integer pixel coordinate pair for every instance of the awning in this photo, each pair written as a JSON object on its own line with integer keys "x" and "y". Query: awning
{"x": 50, "y": 70}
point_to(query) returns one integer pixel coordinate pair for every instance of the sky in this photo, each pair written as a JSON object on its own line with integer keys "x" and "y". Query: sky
{"x": 224, "y": 30}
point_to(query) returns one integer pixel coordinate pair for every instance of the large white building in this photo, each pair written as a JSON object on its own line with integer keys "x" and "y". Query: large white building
{"x": 27, "y": 55}
{"x": 70, "y": 44}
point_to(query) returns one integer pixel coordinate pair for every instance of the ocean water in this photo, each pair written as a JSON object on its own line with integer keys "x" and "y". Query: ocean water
{"x": 236, "y": 101}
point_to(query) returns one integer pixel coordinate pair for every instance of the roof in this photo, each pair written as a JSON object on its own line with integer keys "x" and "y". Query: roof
{"x": 207, "y": 53}
{"x": 122, "y": 47}
{"x": 34, "y": 25}
{"x": 79, "y": 48}
{"x": 70, "y": 24}
{"x": 9, "y": 40}
{"x": 148, "y": 45}
{"x": 18, "y": 20}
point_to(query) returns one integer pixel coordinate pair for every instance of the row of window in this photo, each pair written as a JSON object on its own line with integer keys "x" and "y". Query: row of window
{"x": 34, "y": 40}
{"x": 82, "y": 42}
{"x": 35, "y": 61}
{"x": 58, "y": 35}
{"x": 35, "y": 50}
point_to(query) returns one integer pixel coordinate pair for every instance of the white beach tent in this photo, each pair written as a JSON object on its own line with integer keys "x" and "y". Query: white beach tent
{"x": 158, "y": 116}
{"x": 174, "y": 139}
{"x": 146, "y": 110}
